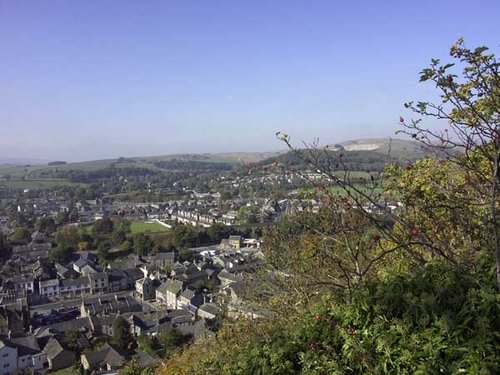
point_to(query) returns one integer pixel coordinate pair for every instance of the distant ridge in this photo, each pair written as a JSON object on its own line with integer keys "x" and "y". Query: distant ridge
{"x": 22, "y": 161}
{"x": 400, "y": 149}
{"x": 361, "y": 154}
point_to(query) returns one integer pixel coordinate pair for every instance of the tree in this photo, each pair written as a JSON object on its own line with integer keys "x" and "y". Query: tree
{"x": 146, "y": 343}
{"x": 132, "y": 368}
{"x": 334, "y": 249}
{"x": 247, "y": 215}
{"x": 83, "y": 246}
{"x": 118, "y": 236}
{"x": 471, "y": 143}
{"x": 62, "y": 217}
{"x": 142, "y": 244}
{"x": 71, "y": 340}
{"x": 3, "y": 248}
{"x": 68, "y": 236}
{"x": 45, "y": 224}
{"x": 170, "y": 339}
{"x": 185, "y": 255}
{"x": 61, "y": 253}
{"x": 102, "y": 226}
{"x": 470, "y": 105}
{"x": 218, "y": 231}
{"x": 103, "y": 254}
{"x": 121, "y": 333}
{"x": 123, "y": 225}
{"x": 21, "y": 234}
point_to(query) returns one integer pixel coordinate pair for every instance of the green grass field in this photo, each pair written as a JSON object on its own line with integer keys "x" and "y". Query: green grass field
{"x": 144, "y": 227}
{"x": 38, "y": 183}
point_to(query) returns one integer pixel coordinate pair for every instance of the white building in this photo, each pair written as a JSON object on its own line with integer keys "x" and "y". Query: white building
{"x": 8, "y": 359}
{"x": 49, "y": 288}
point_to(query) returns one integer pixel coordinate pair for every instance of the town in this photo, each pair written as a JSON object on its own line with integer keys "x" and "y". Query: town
{"x": 87, "y": 284}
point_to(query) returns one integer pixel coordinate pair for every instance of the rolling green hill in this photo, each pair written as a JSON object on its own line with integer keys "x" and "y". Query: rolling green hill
{"x": 148, "y": 162}
{"x": 357, "y": 155}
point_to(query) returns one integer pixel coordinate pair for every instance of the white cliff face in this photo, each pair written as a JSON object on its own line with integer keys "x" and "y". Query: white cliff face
{"x": 362, "y": 145}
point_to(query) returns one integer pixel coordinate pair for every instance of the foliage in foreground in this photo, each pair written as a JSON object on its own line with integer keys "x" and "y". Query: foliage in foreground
{"x": 435, "y": 322}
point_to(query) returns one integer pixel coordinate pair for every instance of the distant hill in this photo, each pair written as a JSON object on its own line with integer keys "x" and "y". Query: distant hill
{"x": 223, "y": 157}
{"x": 160, "y": 162}
{"x": 21, "y": 161}
{"x": 358, "y": 155}
{"x": 397, "y": 149}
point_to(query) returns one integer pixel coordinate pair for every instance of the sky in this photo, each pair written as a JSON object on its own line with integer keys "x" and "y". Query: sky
{"x": 94, "y": 79}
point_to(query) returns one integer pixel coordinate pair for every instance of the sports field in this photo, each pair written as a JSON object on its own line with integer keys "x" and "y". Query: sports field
{"x": 146, "y": 227}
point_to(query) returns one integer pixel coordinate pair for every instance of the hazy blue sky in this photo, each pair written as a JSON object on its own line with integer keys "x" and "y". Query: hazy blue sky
{"x": 89, "y": 79}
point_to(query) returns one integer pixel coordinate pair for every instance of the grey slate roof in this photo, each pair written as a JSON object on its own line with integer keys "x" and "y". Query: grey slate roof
{"x": 25, "y": 345}
{"x": 210, "y": 308}
{"x": 105, "y": 355}
{"x": 171, "y": 286}
{"x": 62, "y": 327}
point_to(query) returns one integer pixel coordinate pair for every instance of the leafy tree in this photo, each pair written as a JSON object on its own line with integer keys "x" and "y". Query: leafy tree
{"x": 83, "y": 245}
{"x": 102, "y": 226}
{"x": 118, "y": 236}
{"x": 62, "y": 217}
{"x": 470, "y": 105}
{"x": 21, "y": 234}
{"x": 123, "y": 225}
{"x": 132, "y": 368}
{"x": 61, "y": 254}
{"x": 247, "y": 215}
{"x": 335, "y": 249}
{"x": 186, "y": 255}
{"x": 146, "y": 343}
{"x": 103, "y": 255}
{"x": 121, "y": 333}
{"x": 142, "y": 244}
{"x": 68, "y": 236}
{"x": 170, "y": 339}
{"x": 45, "y": 224}
{"x": 126, "y": 246}
{"x": 436, "y": 321}
{"x": 4, "y": 253}
{"x": 71, "y": 340}
{"x": 218, "y": 231}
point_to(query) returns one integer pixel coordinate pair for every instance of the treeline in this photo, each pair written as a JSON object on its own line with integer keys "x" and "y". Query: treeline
{"x": 76, "y": 175}
{"x": 198, "y": 166}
